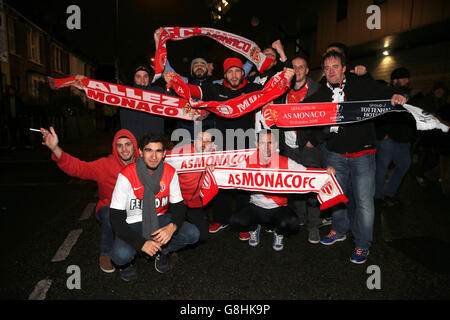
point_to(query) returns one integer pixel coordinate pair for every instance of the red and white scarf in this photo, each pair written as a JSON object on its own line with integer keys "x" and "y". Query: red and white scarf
{"x": 169, "y": 106}
{"x": 238, "y": 106}
{"x": 132, "y": 98}
{"x": 336, "y": 113}
{"x": 232, "y": 41}
{"x": 231, "y": 173}
{"x": 277, "y": 181}
{"x": 186, "y": 162}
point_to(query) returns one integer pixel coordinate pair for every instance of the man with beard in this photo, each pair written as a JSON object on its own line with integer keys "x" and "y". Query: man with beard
{"x": 191, "y": 183}
{"x": 199, "y": 77}
{"x": 239, "y": 136}
{"x": 104, "y": 171}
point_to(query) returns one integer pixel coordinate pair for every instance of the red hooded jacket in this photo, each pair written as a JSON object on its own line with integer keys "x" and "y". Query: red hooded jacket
{"x": 104, "y": 170}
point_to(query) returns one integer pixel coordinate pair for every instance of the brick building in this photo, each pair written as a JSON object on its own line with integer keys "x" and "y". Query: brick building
{"x": 33, "y": 55}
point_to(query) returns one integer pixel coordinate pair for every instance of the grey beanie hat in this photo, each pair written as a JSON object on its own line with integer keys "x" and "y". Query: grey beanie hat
{"x": 194, "y": 61}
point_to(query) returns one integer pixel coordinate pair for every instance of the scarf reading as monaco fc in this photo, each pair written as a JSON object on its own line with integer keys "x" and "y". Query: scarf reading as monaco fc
{"x": 234, "y": 42}
{"x": 231, "y": 173}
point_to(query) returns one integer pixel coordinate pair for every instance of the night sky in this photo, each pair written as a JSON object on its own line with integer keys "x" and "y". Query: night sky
{"x": 139, "y": 18}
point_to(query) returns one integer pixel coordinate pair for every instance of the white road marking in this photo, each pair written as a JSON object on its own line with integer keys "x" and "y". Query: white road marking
{"x": 40, "y": 291}
{"x": 67, "y": 245}
{"x": 88, "y": 211}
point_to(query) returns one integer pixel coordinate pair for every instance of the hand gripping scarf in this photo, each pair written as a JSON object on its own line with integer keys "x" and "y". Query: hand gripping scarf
{"x": 234, "y": 42}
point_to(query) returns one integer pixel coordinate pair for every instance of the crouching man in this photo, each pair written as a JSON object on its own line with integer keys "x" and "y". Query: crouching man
{"x": 147, "y": 210}
{"x": 268, "y": 208}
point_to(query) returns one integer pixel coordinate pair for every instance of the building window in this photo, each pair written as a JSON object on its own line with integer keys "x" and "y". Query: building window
{"x": 36, "y": 83}
{"x": 57, "y": 59}
{"x": 11, "y": 35}
{"x": 342, "y": 10}
{"x": 34, "y": 51}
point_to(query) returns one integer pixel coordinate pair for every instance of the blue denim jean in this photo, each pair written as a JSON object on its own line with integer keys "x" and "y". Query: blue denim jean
{"x": 388, "y": 150}
{"x": 359, "y": 175}
{"x": 123, "y": 253}
{"x": 106, "y": 232}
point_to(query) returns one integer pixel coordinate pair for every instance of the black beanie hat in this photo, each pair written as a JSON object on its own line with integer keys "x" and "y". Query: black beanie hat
{"x": 400, "y": 73}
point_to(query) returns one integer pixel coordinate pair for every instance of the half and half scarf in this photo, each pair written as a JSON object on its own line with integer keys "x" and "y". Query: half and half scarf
{"x": 336, "y": 113}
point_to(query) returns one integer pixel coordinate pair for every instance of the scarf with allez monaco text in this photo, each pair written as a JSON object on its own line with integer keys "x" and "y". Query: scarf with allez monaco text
{"x": 170, "y": 106}
{"x": 232, "y": 41}
{"x": 238, "y": 106}
{"x": 332, "y": 113}
{"x": 132, "y": 98}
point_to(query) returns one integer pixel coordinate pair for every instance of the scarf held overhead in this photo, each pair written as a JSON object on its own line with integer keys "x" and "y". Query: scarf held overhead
{"x": 241, "y": 45}
{"x": 332, "y": 113}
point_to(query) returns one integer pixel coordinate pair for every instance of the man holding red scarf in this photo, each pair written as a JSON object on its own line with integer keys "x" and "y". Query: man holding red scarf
{"x": 268, "y": 208}
{"x": 352, "y": 152}
{"x": 302, "y": 146}
{"x": 191, "y": 183}
{"x": 233, "y": 85}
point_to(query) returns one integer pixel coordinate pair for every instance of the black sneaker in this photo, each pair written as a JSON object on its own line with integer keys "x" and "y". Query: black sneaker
{"x": 162, "y": 263}
{"x": 128, "y": 273}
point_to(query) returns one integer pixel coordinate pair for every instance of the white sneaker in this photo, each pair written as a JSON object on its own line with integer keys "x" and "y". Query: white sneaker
{"x": 277, "y": 242}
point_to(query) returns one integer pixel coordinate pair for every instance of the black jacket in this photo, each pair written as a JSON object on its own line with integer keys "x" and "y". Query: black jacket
{"x": 359, "y": 136}
{"x": 138, "y": 122}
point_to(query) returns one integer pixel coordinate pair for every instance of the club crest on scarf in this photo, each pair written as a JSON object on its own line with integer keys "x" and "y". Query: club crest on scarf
{"x": 254, "y": 55}
{"x": 270, "y": 115}
{"x": 225, "y": 109}
{"x": 327, "y": 188}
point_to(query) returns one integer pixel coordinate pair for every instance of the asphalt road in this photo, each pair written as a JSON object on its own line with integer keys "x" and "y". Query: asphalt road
{"x": 41, "y": 206}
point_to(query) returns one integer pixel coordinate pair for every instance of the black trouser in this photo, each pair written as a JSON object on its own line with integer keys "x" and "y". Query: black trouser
{"x": 310, "y": 158}
{"x": 282, "y": 219}
{"x": 222, "y": 204}
{"x": 198, "y": 217}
